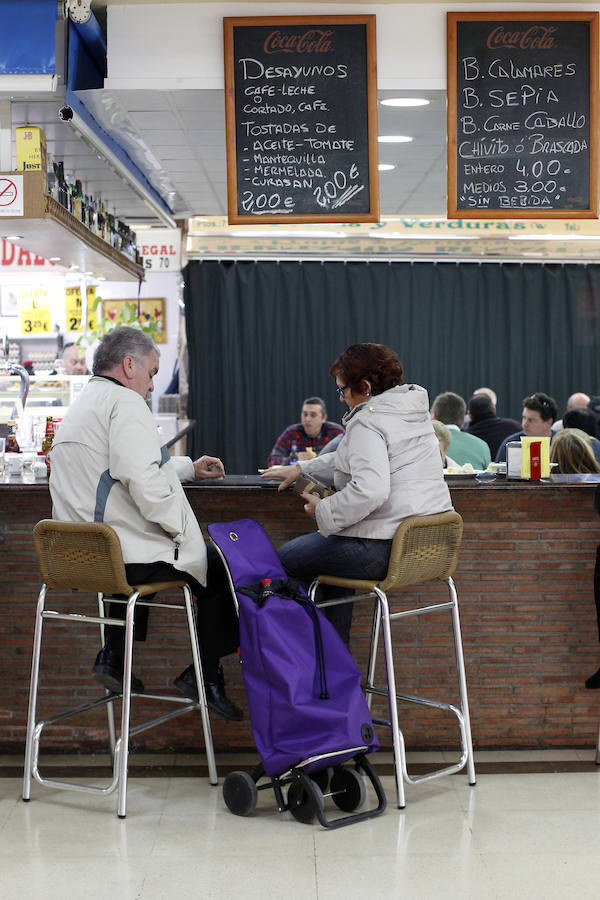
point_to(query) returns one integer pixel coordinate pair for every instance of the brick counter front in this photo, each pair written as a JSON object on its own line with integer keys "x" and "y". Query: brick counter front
{"x": 525, "y": 585}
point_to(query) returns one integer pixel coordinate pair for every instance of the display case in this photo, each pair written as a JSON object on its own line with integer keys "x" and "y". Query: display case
{"x": 46, "y": 392}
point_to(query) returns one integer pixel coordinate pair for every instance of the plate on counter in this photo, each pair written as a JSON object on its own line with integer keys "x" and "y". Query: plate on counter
{"x": 450, "y": 474}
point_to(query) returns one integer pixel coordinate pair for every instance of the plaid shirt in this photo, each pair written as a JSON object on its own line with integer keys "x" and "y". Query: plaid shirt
{"x": 296, "y": 434}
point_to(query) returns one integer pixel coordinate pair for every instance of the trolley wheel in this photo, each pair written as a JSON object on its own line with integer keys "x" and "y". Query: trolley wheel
{"x": 305, "y": 802}
{"x": 348, "y": 790}
{"x": 240, "y": 793}
{"x": 322, "y": 778}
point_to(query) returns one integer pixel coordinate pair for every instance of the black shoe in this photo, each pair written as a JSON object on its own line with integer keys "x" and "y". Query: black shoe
{"x": 216, "y": 699}
{"x": 593, "y": 682}
{"x": 108, "y": 670}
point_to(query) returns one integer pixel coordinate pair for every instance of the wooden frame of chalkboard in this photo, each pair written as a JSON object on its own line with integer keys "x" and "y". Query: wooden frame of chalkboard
{"x": 522, "y": 115}
{"x": 301, "y": 119}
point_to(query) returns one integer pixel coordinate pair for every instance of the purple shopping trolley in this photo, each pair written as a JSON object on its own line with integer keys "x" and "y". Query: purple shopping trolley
{"x": 307, "y": 710}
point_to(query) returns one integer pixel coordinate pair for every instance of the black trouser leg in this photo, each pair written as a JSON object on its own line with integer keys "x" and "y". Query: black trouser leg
{"x": 218, "y": 630}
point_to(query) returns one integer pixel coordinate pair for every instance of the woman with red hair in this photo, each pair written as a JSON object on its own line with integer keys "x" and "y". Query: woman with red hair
{"x": 387, "y": 467}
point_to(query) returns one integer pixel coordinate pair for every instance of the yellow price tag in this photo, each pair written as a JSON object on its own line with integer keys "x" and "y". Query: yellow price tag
{"x": 34, "y": 311}
{"x": 74, "y": 308}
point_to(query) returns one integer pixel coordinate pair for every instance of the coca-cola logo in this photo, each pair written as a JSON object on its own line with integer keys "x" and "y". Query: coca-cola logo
{"x": 536, "y": 37}
{"x": 316, "y": 40}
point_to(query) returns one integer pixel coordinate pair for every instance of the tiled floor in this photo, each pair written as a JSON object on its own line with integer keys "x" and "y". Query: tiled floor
{"x": 514, "y": 835}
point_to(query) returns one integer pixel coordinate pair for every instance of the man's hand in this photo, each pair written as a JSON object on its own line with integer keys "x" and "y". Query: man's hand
{"x": 208, "y": 467}
{"x": 286, "y": 474}
{"x": 310, "y": 506}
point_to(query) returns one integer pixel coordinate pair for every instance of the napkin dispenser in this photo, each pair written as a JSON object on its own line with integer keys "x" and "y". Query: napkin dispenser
{"x": 528, "y": 459}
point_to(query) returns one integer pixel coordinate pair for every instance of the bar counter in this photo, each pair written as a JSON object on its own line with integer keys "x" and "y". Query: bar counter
{"x": 525, "y": 586}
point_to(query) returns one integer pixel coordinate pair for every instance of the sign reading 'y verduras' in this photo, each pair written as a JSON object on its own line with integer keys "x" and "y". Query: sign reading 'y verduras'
{"x": 301, "y": 117}
{"x": 523, "y": 115}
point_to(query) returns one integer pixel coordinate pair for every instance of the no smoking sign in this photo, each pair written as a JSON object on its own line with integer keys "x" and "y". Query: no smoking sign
{"x": 11, "y": 195}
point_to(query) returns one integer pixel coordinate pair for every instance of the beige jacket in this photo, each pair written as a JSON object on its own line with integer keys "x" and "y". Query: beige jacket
{"x": 386, "y": 468}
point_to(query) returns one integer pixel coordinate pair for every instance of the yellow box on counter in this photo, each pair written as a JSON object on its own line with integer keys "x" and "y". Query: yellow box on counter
{"x": 31, "y": 149}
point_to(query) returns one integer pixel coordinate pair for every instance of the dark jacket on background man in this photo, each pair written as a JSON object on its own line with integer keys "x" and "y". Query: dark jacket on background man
{"x": 485, "y": 424}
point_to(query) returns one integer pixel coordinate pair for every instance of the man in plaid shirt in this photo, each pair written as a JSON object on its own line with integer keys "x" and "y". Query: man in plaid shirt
{"x": 313, "y": 431}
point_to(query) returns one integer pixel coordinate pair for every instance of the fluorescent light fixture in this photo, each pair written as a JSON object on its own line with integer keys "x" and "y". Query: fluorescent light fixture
{"x": 92, "y": 139}
{"x": 394, "y": 139}
{"x": 394, "y": 235}
{"x": 405, "y": 101}
{"x": 27, "y": 84}
{"x": 385, "y": 167}
{"x": 554, "y": 237}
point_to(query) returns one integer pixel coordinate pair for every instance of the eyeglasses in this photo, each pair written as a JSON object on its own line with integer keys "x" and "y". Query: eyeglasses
{"x": 342, "y": 390}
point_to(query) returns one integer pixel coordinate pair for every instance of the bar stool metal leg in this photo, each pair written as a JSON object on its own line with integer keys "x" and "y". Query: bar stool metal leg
{"x": 208, "y": 743}
{"x": 397, "y": 736}
{"x": 33, "y": 692}
{"x": 123, "y": 743}
{"x": 462, "y": 681}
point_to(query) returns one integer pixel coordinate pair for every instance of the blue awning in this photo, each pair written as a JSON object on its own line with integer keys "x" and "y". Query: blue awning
{"x": 28, "y": 29}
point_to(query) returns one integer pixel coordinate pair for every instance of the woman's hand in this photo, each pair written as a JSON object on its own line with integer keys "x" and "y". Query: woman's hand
{"x": 310, "y": 506}
{"x": 286, "y": 474}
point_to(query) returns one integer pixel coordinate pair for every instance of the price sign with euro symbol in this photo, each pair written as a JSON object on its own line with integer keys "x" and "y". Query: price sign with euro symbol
{"x": 34, "y": 311}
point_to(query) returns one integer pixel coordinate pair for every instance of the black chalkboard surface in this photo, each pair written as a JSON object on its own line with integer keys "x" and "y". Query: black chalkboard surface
{"x": 522, "y": 115}
{"x": 301, "y": 119}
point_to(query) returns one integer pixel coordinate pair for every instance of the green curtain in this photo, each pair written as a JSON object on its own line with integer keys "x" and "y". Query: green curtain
{"x": 263, "y": 335}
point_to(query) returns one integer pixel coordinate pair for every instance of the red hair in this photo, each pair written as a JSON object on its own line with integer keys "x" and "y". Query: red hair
{"x": 375, "y": 363}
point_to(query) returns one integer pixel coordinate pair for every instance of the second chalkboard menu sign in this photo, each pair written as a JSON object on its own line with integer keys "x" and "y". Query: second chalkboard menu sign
{"x": 523, "y": 115}
{"x": 301, "y": 118}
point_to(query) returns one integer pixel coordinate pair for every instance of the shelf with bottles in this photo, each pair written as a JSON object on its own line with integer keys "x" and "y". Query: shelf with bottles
{"x": 50, "y": 230}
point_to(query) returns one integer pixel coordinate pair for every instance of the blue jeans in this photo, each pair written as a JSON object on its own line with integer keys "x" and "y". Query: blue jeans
{"x": 310, "y": 555}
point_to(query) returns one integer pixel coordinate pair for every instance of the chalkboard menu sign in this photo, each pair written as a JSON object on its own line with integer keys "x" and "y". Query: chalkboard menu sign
{"x": 523, "y": 115}
{"x": 301, "y": 119}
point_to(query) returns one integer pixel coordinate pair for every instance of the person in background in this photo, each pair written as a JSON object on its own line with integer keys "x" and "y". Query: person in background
{"x": 485, "y": 424}
{"x": 73, "y": 360}
{"x": 442, "y": 433}
{"x": 314, "y": 431}
{"x": 450, "y": 409}
{"x": 386, "y": 468}
{"x": 579, "y": 400}
{"x": 107, "y": 465}
{"x": 539, "y": 414}
{"x": 585, "y": 421}
{"x": 572, "y": 451}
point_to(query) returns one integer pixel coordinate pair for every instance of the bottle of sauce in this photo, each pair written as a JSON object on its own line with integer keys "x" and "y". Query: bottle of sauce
{"x": 47, "y": 442}
{"x": 12, "y": 445}
{"x": 293, "y": 459}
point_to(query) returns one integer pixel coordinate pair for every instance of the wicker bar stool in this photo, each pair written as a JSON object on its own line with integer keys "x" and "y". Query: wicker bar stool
{"x": 424, "y": 549}
{"x": 87, "y": 557}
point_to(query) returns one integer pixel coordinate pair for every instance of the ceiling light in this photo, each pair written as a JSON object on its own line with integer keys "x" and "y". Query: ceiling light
{"x": 393, "y": 139}
{"x": 13, "y": 237}
{"x": 385, "y": 167}
{"x": 405, "y": 101}
{"x": 54, "y": 258}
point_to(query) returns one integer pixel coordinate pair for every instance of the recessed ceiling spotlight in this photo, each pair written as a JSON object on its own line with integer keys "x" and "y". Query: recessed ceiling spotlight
{"x": 405, "y": 101}
{"x": 393, "y": 139}
{"x": 14, "y": 237}
{"x": 385, "y": 167}
{"x": 54, "y": 258}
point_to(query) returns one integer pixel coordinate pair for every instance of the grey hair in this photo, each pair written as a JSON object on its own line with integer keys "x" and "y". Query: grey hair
{"x": 119, "y": 343}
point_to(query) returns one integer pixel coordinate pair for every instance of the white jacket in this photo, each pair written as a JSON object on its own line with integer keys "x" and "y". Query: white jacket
{"x": 387, "y": 467}
{"x": 107, "y": 465}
